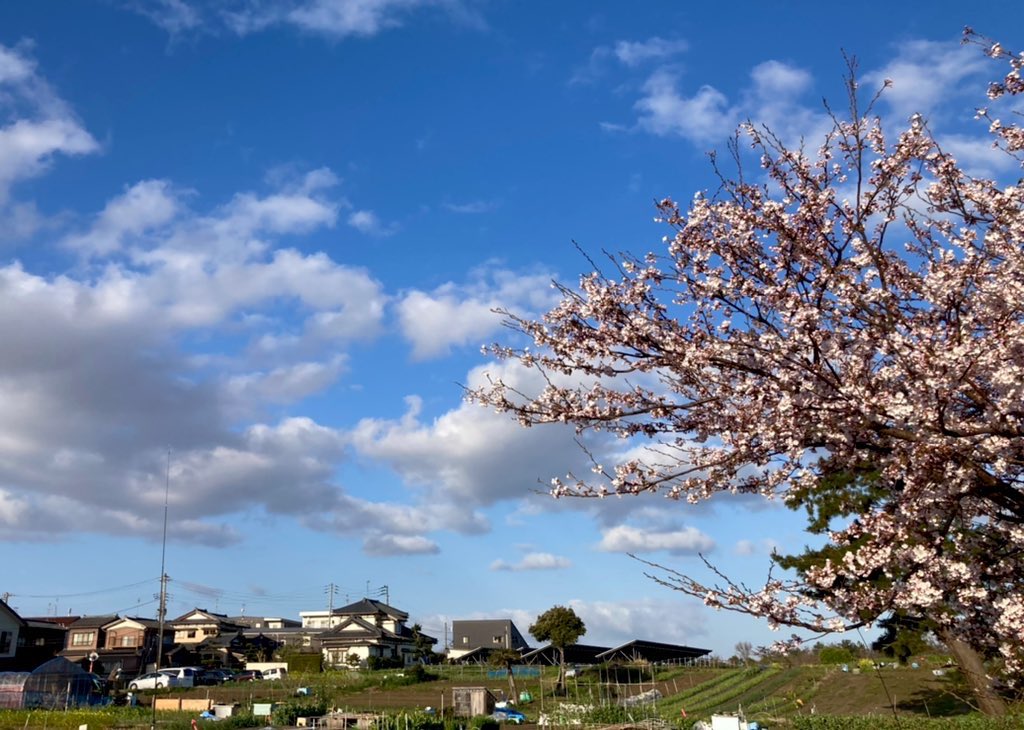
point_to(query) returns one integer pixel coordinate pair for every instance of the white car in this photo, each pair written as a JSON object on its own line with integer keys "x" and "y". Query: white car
{"x": 153, "y": 680}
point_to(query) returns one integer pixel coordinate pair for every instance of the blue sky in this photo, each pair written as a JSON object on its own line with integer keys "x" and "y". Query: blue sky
{"x": 267, "y": 236}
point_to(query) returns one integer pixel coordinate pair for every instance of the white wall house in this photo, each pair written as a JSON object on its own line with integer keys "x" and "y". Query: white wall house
{"x": 365, "y": 630}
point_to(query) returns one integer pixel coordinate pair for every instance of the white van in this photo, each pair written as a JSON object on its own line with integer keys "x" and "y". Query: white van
{"x": 275, "y": 673}
{"x": 185, "y": 676}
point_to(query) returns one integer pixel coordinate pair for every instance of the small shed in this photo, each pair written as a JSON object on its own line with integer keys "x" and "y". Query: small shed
{"x": 472, "y": 701}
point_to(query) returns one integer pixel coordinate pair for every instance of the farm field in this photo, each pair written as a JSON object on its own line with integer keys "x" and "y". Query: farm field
{"x": 776, "y": 696}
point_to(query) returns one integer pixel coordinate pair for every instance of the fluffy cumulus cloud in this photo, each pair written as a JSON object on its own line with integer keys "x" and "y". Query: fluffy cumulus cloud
{"x": 455, "y": 315}
{"x": 923, "y": 75}
{"x": 400, "y": 545}
{"x": 920, "y": 78}
{"x": 37, "y": 127}
{"x": 612, "y": 623}
{"x": 471, "y": 455}
{"x": 533, "y": 561}
{"x": 633, "y": 539}
{"x": 615, "y": 623}
{"x": 99, "y": 386}
{"x": 707, "y": 116}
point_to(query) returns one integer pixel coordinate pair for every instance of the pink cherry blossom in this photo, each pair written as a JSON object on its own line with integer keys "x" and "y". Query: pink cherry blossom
{"x": 861, "y": 308}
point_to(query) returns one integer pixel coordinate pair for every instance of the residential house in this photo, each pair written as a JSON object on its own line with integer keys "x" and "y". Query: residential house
{"x": 86, "y": 636}
{"x": 130, "y": 644}
{"x": 199, "y": 625}
{"x": 369, "y": 631}
{"x": 41, "y": 639}
{"x": 11, "y": 626}
{"x": 265, "y": 622}
{"x": 480, "y": 637}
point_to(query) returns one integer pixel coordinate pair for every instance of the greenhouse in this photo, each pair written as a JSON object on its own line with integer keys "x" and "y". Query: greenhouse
{"x": 59, "y": 683}
{"x": 12, "y": 684}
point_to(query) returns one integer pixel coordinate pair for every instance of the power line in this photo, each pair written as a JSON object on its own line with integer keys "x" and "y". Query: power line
{"x": 86, "y": 593}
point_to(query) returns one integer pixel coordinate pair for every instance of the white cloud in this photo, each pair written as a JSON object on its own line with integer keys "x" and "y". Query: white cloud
{"x": 400, "y": 545}
{"x": 774, "y": 78}
{"x": 634, "y": 53}
{"x": 286, "y": 384}
{"x": 143, "y": 207}
{"x": 534, "y": 561}
{"x": 924, "y": 75}
{"x": 454, "y": 315}
{"x": 746, "y": 548}
{"x": 630, "y": 539}
{"x": 174, "y": 16}
{"x": 471, "y": 455}
{"x": 96, "y": 388}
{"x": 474, "y": 207}
{"x": 702, "y": 118}
{"x": 627, "y": 53}
{"x": 614, "y": 623}
{"x": 977, "y": 155}
{"x": 43, "y": 126}
{"x": 366, "y": 221}
{"x": 338, "y": 18}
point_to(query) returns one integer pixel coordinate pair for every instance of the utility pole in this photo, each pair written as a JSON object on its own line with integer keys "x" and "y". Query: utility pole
{"x": 331, "y": 590}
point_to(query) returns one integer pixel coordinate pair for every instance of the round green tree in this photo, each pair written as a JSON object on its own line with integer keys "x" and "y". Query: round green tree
{"x": 560, "y": 627}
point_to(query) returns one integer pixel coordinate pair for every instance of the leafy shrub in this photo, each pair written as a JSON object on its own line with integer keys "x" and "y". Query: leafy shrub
{"x": 382, "y": 662}
{"x": 484, "y": 722}
{"x": 835, "y": 655}
{"x": 242, "y": 719}
{"x": 303, "y": 661}
{"x": 409, "y": 721}
{"x": 289, "y": 712}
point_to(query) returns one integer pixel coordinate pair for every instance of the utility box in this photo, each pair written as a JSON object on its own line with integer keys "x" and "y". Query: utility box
{"x": 262, "y": 709}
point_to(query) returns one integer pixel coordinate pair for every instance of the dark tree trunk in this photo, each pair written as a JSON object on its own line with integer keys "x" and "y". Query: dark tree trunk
{"x": 559, "y": 688}
{"x": 969, "y": 661}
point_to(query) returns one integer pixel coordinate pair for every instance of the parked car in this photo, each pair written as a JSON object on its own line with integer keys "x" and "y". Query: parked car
{"x": 250, "y": 675}
{"x": 275, "y": 673}
{"x": 153, "y": 680}
{"x": 186, "y": 676}
{"x": 217, "y": 676}
{"x": 508, "y": 714}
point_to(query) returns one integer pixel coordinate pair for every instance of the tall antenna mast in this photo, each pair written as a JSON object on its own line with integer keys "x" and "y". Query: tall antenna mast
{"x": 163, "y": 568}
{"x": 163, "y": 582}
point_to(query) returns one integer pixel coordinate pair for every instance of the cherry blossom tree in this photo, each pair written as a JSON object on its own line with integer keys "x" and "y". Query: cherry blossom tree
{"x": 847, "y": 324}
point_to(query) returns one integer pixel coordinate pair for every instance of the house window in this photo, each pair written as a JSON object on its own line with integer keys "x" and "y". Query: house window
{"x": 83, "y": 638}
{"x": 496, "y": 639}
{"x": 40, "y": 641}
{"x": 191, "y": 634}
{"x": 465, "y": 639}
{"x": 5, "y": 642}
{"x": 129, "y": 640}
